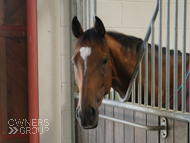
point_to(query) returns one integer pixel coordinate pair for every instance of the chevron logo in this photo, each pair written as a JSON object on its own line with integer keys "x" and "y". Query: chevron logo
{"x": 13, "y": 130}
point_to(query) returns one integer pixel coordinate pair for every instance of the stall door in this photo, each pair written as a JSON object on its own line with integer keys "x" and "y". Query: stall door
{"x": 13, "y": 72}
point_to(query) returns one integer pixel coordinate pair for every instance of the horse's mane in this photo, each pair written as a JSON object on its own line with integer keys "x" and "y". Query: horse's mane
{"x": 126, "y": 41}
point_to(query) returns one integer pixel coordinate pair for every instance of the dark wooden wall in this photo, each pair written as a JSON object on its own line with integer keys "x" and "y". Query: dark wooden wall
{"x": 13, "y": 69}
{"x": 112, "y": 132}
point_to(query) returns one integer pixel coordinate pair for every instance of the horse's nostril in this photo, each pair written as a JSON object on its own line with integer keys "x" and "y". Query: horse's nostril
{"x": 93, "y": 113}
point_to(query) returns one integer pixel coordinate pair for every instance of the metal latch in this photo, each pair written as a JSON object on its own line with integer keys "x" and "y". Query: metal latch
{"x": 162, "y": 127}
{"x": 163, "y": 122}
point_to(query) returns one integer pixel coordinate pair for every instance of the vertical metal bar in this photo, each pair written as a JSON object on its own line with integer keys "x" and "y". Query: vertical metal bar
{"x": 88, "y": 14}
{"x": 32, "y": 62}
{"x": 113, "y": 94}
{"x": 160, "y": 57}
{"x": 94, "y": 10}
{"x": 108, "y": 95}
{"x": 146, "y": 74}
{"x": 184, "y": 59}
{"x": 152, "y": 66}
{"x": 133, "y": 92}
{"x": 167, "y": 56}
{"x": 132, "y": 96}
{"x": 79, "y": 10}
{"x": 175, "y": 55}
{"x": 81, "y": 14}
{"x": 73, "y": 12}
{"x": 84, "y": 15}
{"x": 139, "y": 85}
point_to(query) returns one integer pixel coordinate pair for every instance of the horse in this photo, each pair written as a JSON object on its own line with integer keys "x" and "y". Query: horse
{"x": 104, "y": 59}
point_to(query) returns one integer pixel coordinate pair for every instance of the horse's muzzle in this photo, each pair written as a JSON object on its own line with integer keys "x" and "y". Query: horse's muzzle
{"x": 87, "y": 118}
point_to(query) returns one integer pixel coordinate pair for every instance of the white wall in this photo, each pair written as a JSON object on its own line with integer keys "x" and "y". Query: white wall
{"x": 54, "y": 69}
{"x": 132, "y": 17}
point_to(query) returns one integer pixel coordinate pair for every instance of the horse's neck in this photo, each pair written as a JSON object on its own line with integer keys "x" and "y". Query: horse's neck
{"x": 123, "y": 62}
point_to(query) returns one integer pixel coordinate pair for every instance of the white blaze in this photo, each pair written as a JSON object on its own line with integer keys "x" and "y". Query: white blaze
{"x": 84, "y": 53}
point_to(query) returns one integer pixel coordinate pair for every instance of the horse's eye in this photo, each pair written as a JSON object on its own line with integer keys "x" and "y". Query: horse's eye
{"x": 105, "y": 61}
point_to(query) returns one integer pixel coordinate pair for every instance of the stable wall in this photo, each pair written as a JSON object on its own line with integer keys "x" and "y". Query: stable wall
{"x": 49, "y": 68}
{"x": 131, "y": 17}
{"x": 54, "y": 69}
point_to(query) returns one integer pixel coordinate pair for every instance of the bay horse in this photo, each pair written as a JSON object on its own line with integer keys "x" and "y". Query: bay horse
{"x": 103, "y": 60}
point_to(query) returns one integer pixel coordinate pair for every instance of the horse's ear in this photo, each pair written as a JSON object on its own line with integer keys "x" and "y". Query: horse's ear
{"x": 76, "y": 27}
{"x": 99, "y": 27}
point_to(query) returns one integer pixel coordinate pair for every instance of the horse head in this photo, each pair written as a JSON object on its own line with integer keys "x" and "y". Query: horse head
{"x": 93, "y": 72}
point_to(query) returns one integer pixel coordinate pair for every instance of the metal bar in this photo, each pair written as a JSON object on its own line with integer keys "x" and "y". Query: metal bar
{"x": 152, "y": 66}
{"x": 32, "y": 62}
{"x": 84, "y": 15}
{"x": 73, "y": 12}
{"x": 88, "y": 14}
{"x": 175, "y": 56}
{"x": 150, "y": 128}
{"x": 141, "y": 54}
{"x": 146, "y": 109}
{"x": 133, "y": 92}
{"x": 160, "y": 57}
{"x": 108, "y": 95}
{"x": 184, "y": 59}
{"x": 146, "y": 74}
{"x": 94, "y": 10}
{"x": 167, "y": 56}
{"x": 79, "y": 10}
{"x": 113, "y": 94}
{"x": 139, "y": 85}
